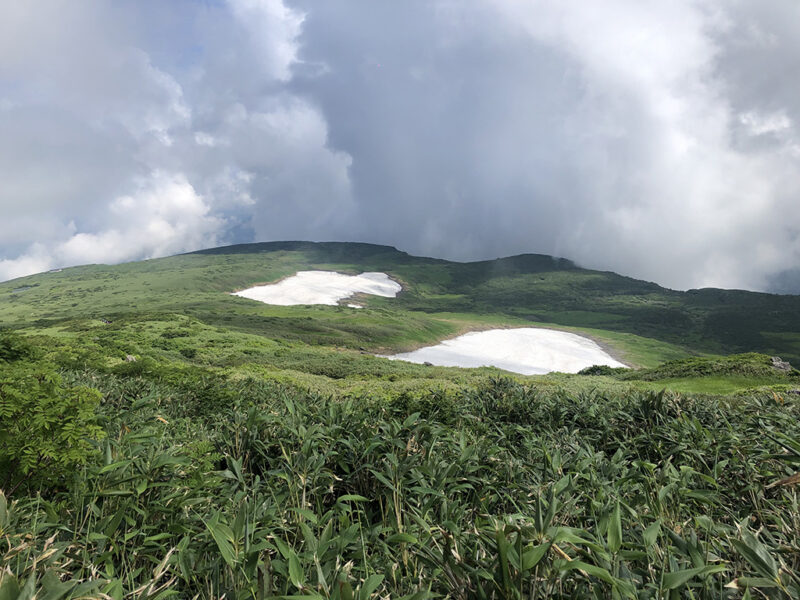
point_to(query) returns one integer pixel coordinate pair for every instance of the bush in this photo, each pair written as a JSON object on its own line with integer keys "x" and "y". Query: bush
{"x": 46, "y": 427}
{"x": 602, "y": 370}
{"x": 14, "y": 347}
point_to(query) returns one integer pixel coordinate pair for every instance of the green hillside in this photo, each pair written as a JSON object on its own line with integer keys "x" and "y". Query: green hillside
{"x": 162, "y": 438}
{"x": 440, "y": 298}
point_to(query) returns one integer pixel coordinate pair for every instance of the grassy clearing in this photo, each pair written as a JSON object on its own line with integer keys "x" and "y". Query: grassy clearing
{"x": 347, "y": 371}
{"x": 334, "y": 371}
{"x": 709, "y": 375}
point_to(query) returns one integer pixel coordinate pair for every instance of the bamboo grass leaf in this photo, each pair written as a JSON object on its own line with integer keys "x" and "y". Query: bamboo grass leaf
{"x": 532, "y": 557}
{"x": 677, "y": 579}
{"x": 591, "y": 570}
{"x": 650, "y": 535}
{"x": 9, "y": 587}
{"x": 400, "y": 538}
{"x": 369, "y": 586}
{"x": 757, "y": 555}
{"x": 223, "y": 537}
{"x": 296, "y": 574}
{"x": 615, "y": 531}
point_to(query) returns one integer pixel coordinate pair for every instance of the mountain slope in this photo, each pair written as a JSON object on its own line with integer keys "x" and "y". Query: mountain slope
{"x": 159, "y": 436}
{"x": 510, "y": 291}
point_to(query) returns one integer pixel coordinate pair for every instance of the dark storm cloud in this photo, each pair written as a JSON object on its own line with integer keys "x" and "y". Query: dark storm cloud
{"x": 452, "y": 138}
{"x": 655, "y": 139}
{"x": 599, "y": 132}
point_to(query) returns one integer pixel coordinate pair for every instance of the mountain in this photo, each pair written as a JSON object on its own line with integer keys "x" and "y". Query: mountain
{"x": 440, "y": 298}
{"x": 161, "y": 437}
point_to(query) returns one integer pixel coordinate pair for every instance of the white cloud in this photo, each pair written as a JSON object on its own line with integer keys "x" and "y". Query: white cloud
{"x": 604, "y": 132}
{"x": 202, "y": 138}
{"x": 36, "y": 260}
{"x": 165, "y": 215}
{"x": 112, "y": 154}
{"x": 760, "y": 124}
{"x": 273, "y": 29}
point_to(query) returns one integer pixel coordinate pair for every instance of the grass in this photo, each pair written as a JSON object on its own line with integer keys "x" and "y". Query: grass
{"x": 518, "y": 290}
{"x": 209, "y": 485}
{"x": 262, "y": 452}
{"x": 343, "y": 371}
{"x": 718, "y": 385}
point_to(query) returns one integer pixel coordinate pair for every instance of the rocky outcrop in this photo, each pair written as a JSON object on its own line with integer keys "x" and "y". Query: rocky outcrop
{"x": 781, "y": 365}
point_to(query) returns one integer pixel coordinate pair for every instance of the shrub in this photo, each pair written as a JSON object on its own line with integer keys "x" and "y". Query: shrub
{"x": 46, "y": 427}
{"x": 602, "y": 370}
{"x": 14, "y": 347}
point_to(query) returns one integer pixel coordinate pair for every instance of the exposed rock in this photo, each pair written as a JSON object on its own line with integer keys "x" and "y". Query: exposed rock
{"x": 428, "y": 364}
{"x": 130, "y": 358}
{"x": 781, "y": 365}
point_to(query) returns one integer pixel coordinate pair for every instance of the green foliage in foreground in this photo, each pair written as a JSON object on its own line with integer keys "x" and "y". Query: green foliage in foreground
{"x": 45, "y": 426}
{"x": 208, "y": 486}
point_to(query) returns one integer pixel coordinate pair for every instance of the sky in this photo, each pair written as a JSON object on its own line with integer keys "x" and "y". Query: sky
{"x": 660, "y": 140}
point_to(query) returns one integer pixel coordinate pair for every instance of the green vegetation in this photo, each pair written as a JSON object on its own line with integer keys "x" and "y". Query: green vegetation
{"x": 208, "y": 483}
{"x": 46, "y": 426}
{"x": 160, "y": 438}
{"x": 708, "y": 375}
{"x": 745, "y": 365}
{"x": 519, "y": 290}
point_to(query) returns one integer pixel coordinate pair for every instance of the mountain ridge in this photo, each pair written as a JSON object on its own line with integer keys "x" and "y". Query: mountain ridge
{"x": 522, "y": 289}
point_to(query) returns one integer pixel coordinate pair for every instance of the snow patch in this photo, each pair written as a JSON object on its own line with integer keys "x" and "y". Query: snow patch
{"x": 322, "y": 287}
{"x": 528, "y": 350}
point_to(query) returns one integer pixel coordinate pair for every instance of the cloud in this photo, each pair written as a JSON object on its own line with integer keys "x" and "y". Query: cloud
{"x": 36, "y": 260}
{"x": 658, "y": 140}
{"x": 262, "y": 19}
{"x": 109, "y": 132}
{"x": 165, "y": 215}
{"x": 599, "y": 132}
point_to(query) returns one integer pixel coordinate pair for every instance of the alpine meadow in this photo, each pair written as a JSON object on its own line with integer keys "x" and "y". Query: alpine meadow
{"x": 161, "y": 437}
{"x": 399, "y": 300}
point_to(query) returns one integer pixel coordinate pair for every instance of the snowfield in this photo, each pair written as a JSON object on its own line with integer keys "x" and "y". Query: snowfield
{"x": 529, "y": 351}
{"x": 526, "y": 350}
{"x": 322, "y": 287}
